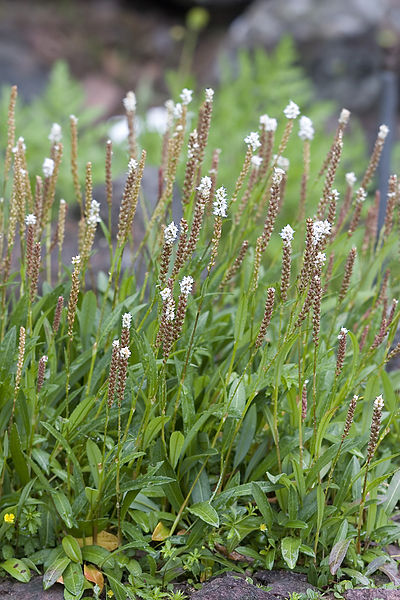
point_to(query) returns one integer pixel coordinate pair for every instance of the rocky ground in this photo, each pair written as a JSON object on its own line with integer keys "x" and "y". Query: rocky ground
{"x": 275, "y": 585}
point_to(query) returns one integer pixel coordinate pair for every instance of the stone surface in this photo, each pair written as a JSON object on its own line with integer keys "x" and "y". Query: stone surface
{"x": 231, "y": 588}
{"x": 376, "y": 594}
{"x": 14, "y": 590}
{"x": 338, "y": 41}
{"x": 282, "y": 583}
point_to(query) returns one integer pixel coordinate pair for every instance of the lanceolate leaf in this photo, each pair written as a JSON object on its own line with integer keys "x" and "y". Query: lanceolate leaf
{"x": 337, "y": 555}
{"x": 205, "y": 512}
{"x": 290, "y": 547}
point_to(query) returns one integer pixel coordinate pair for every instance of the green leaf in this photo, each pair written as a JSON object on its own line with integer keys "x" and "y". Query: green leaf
{"x": 72, "y": 549}
{"x": 153, "y": 429}
{"x": 54, "y": 572}
{"x": 240, "y": 318}
{"x": 262, "y": 504}
{"x": 175, "y": 446}
{"x": 18, "y": 457}
{"x": 246, "y": 437}
{"x": 290, "y": 547}
{"x": 392, "y": 495}
{"x": 87, "y": 318}
{"x": 74, "y": 579}
{"x": 205, "y": 512}
{"x": 63, "y": 508}
{"x": 94, "y": 458}
{"x": 97, "y": 555}
{"x": 120, "y": 591}
{"x": 338, "y": 554}
{"x": 17, "y": 569}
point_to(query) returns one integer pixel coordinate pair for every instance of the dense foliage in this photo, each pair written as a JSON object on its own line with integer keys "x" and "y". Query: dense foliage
{"x": 219, "y": 398}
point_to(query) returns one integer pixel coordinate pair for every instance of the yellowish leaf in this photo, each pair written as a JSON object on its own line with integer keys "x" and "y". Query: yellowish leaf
{"x": 94, "y": 575}
{"x": 106, "y": 540}
{"x": 160, "y": 533}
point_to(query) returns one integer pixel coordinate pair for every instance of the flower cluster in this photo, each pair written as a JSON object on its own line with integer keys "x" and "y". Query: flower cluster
{"x": 30, "y": 220}
{"x": 48, "y": 167}
{"x": 320, "y": 230}
{"x": 55, "y": 134}
{"x": 209, "y": 93}
{"x": 130, "y": 102}
{"x": 292, "y": 111}
{"x": 94, "y": 213}
{"x": 256, "y": 161}
{"x": 268, "y": 123}
{"x": 287, "y": 234}
{"x": 253, "y": 140}
{"x": 350, "y": 179}
{"x": 170, "y": 234}
{"x": 220, "y": 203}
{"x": 277, "y": 176}
{"x": 343, "y": 333}
{"x": 205, "y": 187}
{"x": 186, "y": 285}
{"x": 306, "y": 131}
{"x": 186, "y": 96}
{"x": 383, "y": 131}
{"x": 126, "y": 320}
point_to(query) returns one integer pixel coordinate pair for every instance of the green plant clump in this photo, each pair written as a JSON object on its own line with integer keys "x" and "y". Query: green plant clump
{"x": 221, "y": 402}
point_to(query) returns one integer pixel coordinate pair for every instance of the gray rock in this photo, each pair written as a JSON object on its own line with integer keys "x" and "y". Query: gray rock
{"x": 283, "y": 583}
{"x": 337, "y": 41}
{"x": 14, "y": 590}
{"x": 231, "y": 588}
{"x": 376, "y": 594}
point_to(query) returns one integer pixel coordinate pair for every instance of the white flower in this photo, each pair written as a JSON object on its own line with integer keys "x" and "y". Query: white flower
{"x": 209, "y": 95}
{"x": 320, "y": 230}
{"x": 383, "y": 131}
{"x": 165, "y": 293}
{"x": 292, "y": 111}
{"x": 306, "y": 131}
{"x": 76, "y": 260}
{"x": 361, "y": 195}
{"x": 287, "y": 234}
{"x": 186, "y": 285}
{"x": 130, "y": 102}
{"x": 278, "y": 175}
{"x": 256, "y": 161}
{"x": 178, "y": 110}
{"x": 55, "y": 134}
{"x": 282, "y": 162}
{"x": 45, "y": 358}
{"x": 253, "y": 140}
{"x": 156, "y": 119}
{"x": 170, "y": 309}
{"x": 343, "y": 333}
{"x": 30, "y": 220}
{"x": 334, "y": 195}
{"x": 320, "y": 259}
{"x": 94, "y": 212}
{"x": 379, "y": 403}
{"x": 186, "y": 96}
{"x": 268, "y": 123}
{"x": 170, "y": 234}
{"x": 20, "y": 141}
{"x": 205, "y": 187}
{"x": 74, "y": 119}
{"x": 193, "y": 143}
{"x": 220, "y": 204}
{"x": 126, "y": 320}
{"x": 48, "y": 167}
{"x": 344, "y": 116}
{"x": 125, "y": 353}
{"x": 351, "y": 178}
{"x": 132, "y": 165}
{"x": 115, "y": 344}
